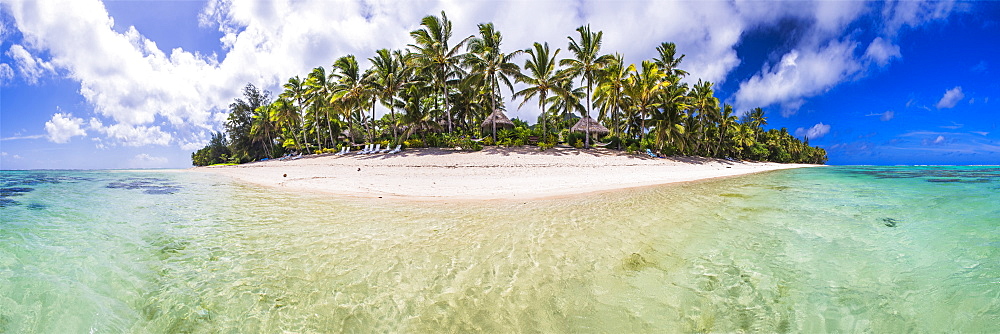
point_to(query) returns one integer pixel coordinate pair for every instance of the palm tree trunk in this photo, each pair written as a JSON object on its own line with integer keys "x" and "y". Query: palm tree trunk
{"x": 587, "y": 144}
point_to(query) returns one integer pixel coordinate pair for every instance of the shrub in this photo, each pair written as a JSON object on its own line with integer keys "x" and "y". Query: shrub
{"x": 413, "y": 143}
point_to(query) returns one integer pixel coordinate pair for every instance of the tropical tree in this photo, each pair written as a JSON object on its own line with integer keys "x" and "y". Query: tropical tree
{"x": 643, "y": 89}
{"x": 350, "y": 90}
{"x": 586, "y": 62}
{"x": 295, "y": 90}
{"x": 239, "y": 123}
{"x": 434, "y": 55}
{"x": 390, "y": 76}
{"x": 285, "y": 115}
{"x": 704, "y": 105}
{"x": 610, "y": 92}
{"x": 320, "y": 87}
{"x": 491, "y": 66}
{"x": 542, "y": 79}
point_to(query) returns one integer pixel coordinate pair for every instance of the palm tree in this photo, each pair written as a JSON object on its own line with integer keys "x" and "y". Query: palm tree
{"x": 349, "y": 91}
{"x": 668, "y": 61}
{"x": 491, "y": 65}
{"x": 261, "y": 128}
{"x": 586, "y": 62}
{"x": 642, "y": 88}
{"x": 542, "y": 78}
{"x": 391, "y": 75}
{"x": 610, "y": 91}
{"x": 706, "y": 105}
{"x": 435, "y": 56}
{"x": 321, "y": 86}
{"x": 727, "y": 124}
{"x": 295, "y": 90}
{"x": 757, "y": 121}
{"x": 283, "y": 113}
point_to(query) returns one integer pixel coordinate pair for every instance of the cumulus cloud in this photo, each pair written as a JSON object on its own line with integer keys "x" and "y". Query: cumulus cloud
{"x": 800, "y": 74}
{"x": 144, "y": 160}
{"x": 30, "y": 68}
{"x": 816, "y": 131}
{"x": 6, "y": 74}
{"x": 951, "y": 98}
{"x": 62, "y": 127}
{"x": 882, "y": 51}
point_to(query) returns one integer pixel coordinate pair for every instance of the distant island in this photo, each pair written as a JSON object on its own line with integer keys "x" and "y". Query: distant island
{"x": 451, "y": 95}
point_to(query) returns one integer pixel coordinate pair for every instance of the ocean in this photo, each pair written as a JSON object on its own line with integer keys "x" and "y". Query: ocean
{"x": 831, "y": 249}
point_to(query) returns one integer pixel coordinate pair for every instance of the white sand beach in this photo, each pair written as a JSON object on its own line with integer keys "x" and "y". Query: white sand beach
{"x": 490, "y": 174}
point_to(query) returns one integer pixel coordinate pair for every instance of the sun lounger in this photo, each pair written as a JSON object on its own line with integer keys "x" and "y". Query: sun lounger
{"x": 385, "y": 150}
{"x": 365, "y": 150}
{"x": 651, "y": 154}
{"x": 375, "y": 150}
{"x": 396, "y": 150}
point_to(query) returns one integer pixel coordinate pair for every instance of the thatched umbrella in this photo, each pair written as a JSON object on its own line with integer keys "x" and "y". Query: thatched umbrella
{"x": 497, "y": 119}
{"x": 589, "y": 125}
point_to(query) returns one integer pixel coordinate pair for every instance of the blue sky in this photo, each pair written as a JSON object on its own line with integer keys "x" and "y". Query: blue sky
{"x": 141, "y": 84}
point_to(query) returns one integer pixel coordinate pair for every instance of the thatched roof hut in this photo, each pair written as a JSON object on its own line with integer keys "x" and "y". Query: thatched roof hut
{"x": 595, "y": 128}
{"x": 501, "y": 120}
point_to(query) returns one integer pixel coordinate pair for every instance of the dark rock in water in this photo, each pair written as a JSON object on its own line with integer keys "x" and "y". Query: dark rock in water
{"x": 944, "y": 180}
{"x": 14, "y": 191}
{"x": 161, "y": 190}
{"x": 890, "y": 222}
{"x": 37, "y": 206}
{"x": 5, "y": 202}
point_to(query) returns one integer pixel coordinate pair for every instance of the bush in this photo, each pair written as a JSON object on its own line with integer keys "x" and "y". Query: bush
{"x": 578, "y": 143}
{"x": 488, "y": 141}
{"x": 544, "y": 146}
{"x": 414, "y": 143}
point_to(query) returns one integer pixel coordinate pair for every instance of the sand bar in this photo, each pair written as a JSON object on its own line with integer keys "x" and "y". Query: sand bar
{"x": 490, "y": 174}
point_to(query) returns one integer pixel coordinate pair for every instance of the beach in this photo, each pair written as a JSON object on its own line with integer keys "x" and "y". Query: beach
{"x": 490, "y": 174}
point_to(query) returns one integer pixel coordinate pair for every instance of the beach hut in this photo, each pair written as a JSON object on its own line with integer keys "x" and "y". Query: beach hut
{"x": 590, "y": 126}
{"x": 497, "y": 120}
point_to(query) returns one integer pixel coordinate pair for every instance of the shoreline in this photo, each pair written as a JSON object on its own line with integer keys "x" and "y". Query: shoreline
{"x": 521, "y": 173}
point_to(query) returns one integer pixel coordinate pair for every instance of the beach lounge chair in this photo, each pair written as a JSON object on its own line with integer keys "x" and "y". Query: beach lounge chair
{"x": 365, "y": 150}
{"x": 396, "y": 150}
{"x": 341, "y": 152}
{"x": 651, "y": 154}
{"x": 385, "y": 150}
{"x": 375, "y": 150}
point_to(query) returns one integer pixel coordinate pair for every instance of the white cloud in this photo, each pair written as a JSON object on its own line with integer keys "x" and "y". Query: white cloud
{"x": 6, "y": 74}
{"x": 888, "y": 115}
{"x": 144, "y": 160}
{"x": 818, "y": 130}
{"x": 951, "y": 98}
{"x": 800, "y": 74}
{"x": 30, "y": 68}
{"x": 62, "y": 127}
{"x": 882, "y": 51}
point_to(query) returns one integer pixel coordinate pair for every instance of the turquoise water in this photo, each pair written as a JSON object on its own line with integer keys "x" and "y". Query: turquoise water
{"x": 832, "y": 249}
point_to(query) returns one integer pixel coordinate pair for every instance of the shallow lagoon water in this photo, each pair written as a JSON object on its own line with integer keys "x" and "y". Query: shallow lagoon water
{"x": 833, "y": 249}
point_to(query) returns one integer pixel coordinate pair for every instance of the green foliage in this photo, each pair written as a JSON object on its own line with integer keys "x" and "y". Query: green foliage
{"x": 414, "y": 143}
{"x": 216, "y": 152}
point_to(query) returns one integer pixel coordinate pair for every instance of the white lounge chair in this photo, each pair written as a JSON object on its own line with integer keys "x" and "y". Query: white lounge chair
{"x": 396, "y": 150}
{"x": 342, "y": 149}
{"x": 385, "y": 150}
{"x": 375, "y": 150}
{"x": 365, "y": 150}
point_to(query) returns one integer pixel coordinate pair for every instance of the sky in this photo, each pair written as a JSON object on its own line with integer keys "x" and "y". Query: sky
{"x": 87, "y": 84}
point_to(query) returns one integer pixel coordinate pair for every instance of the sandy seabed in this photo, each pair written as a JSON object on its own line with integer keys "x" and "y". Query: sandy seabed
{"x": 490, "y": 174}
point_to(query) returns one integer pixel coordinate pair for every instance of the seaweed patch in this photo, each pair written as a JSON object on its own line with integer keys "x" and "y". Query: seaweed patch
{"x": 890, "y": 222}
{"x": 148, "y": 185}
